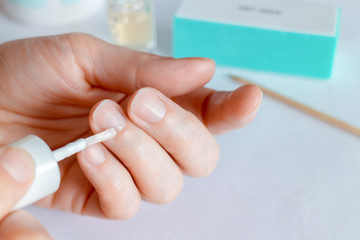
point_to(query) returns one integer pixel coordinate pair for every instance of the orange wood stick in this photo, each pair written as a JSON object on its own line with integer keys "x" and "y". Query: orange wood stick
{"x": 326, "y": 118}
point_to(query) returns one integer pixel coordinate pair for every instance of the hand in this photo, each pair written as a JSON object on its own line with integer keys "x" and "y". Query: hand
{"x": 50, "y": 86}
{"x": 17, "y": 172}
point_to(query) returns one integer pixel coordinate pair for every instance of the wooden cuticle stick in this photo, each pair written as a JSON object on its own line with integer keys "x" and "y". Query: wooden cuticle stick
{"x": 322, "y": 116}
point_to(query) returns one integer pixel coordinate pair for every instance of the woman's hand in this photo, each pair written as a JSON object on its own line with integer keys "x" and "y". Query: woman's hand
{"x": 62, "y": 88}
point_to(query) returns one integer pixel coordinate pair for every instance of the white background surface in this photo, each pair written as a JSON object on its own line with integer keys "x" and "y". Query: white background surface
{"x": 285, "y": 176}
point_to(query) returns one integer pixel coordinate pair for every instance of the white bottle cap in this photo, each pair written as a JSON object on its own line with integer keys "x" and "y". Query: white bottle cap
{"x": 47, "y": 173}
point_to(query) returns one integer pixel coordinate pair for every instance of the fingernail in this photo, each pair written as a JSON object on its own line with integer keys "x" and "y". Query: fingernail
{"x": 147, "y": 106}
{"x": 18, "y": 163}
{"x": 94, "y": 154}
{"x": 256, "y": 108}
{"x": 107, "y": 115}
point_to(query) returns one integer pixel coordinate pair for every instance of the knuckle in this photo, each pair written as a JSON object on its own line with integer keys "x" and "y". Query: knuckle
{"x": 166, "y": 190}
{"x": 188, "y": 127}
{"x": 117, "y": 203}
{"x": 114, "y": 186}
{"x": 184, "y": 132}
{"x": 172, "y": 189}
{"x": 212, "y": 159}
{"x": 203, "y": 150}
{"x": 206, "y": 163}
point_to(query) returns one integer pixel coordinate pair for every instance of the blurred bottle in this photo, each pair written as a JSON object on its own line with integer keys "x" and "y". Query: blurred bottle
{"x": 51, "y": 12}
{"x": 132, "y": 23}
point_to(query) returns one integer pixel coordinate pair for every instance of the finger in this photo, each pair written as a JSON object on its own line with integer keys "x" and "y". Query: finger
{"x": 223, "y": 111}
{"x": 118, "y": 197}
{"x": 178, "y": 131}
{"x": 22, "y": 225}
{"x": 17, "y": 171}
{"x": 156, "y": 175}
{"x": 121, "y": 69}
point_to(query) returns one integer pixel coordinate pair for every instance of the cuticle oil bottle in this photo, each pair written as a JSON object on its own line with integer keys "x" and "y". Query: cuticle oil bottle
{"x": 132, "y": 23}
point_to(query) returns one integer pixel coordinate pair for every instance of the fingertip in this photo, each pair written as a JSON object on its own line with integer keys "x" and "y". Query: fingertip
{"x": 244, "y": 102}
{"x": 183, "y": 74}
{"x": 107, "y": 114}
{"x": 17, "y": 172}
{"x": 231, "y": 110}
{"x": 18, "y": 164}
{"x": 250, "y": 95}
{"x": 207, "y": 63}
{"x": 204, "y": 68}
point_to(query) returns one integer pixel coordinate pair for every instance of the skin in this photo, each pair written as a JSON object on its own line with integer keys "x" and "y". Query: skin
{"x": 65, "y": 87}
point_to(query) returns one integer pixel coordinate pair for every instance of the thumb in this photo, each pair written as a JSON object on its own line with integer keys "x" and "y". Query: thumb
{"x": 123, "y": 70}
{"x": 17, "y": 171}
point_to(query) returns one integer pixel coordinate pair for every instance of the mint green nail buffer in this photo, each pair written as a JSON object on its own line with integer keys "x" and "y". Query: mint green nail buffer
{"x": 278, "y": 36}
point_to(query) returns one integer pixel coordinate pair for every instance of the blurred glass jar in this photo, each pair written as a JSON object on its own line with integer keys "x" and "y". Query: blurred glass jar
{"x": 132, "y": 23}
{"x": 51, "y": 12}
